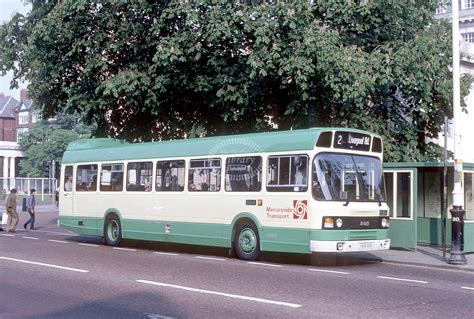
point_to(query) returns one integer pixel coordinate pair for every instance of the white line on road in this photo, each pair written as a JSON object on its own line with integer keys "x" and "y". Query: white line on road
{"x": 469, "y": 288}
{"x": 167, "y": 254}
{"x": 49, "y": 232}
{"x": 263, "y": 264}
{"x": 210, "y": 258}
{"x": 330, "y": 271}
{"x": 43, "y": 264}
{"x": 26, "y": 237}
{"x": 89, "y": 245}
{"x": 58, "y": 241}
{"x": 292, "y": 305}
{"x": 7, "y": 235}
{"x": 127, "y": 249}
{"x": 401, "y": 279}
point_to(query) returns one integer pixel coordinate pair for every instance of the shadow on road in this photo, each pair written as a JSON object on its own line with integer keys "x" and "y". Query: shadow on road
{"x": 315, "y": 259}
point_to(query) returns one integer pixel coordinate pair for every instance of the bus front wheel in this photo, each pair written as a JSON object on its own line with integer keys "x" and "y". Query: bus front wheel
{"x": 247, "y": 242}
{"x": 112, "y": 231}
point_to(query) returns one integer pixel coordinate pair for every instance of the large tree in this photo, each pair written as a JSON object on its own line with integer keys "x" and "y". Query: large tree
{"x": 47, "y": 141}
{"x": 145, "y": 70}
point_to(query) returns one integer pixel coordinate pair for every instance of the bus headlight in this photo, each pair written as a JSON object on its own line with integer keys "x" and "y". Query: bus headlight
{"x": 339, "y": 223}
{"x": 328, "y": 222}
{"x": 385, "y": 223}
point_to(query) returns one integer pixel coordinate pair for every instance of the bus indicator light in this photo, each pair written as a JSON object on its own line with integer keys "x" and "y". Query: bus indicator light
{"x": 328, "y": 222}
{"x": 259, "y": 202}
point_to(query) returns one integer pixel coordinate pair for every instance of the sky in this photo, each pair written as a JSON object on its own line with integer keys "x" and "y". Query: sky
{"x": 7, "y": 9}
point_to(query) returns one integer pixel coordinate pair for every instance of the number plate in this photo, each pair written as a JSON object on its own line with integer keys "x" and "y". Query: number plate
{"x": 367, "y": 245}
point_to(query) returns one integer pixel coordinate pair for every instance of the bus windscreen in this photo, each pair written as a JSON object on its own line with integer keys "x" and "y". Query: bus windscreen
{"x": 347, "y": 177}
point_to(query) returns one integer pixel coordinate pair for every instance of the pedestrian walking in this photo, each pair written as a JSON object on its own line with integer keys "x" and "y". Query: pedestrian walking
{"x": 10, "y": 207}
{"x": 30, "y": 206}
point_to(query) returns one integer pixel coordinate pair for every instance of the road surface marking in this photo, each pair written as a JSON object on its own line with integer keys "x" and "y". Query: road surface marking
{"x": 469, "y": 288}
{"x": 263, "y": 264}
{"x": 26, "y": 237}
{"x": 210, "y": 258}
{"x": 43, "y": 264}
{"x": 89, "y": 245}
{"x": 210, "y": 292}
{"x": 401, "y": 279}
{"x": 156, "y": 316}
{"x": 58, "y": 241}
{"x": 167, "y": 254}
{"x": 7, "y": 235}
{"x": 330, "y": 271}
{"x": 127, "y": 249}
{"x": 49, "y": 232}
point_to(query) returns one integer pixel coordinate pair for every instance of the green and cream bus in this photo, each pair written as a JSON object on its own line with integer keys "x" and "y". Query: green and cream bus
{"x": 301, "y": 191}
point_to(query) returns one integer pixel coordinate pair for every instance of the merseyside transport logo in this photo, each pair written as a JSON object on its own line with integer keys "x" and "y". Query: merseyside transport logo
{"x": 300, "y": 209}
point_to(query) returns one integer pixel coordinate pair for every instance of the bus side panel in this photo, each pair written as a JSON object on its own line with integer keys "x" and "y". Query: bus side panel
{"x": 296, "y": 240}
{"x": 195, "y": 233}
{"x": 82, "y": 225}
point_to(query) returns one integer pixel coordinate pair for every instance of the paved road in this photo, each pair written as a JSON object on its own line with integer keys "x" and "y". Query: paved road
{"x": 51, "y": 273}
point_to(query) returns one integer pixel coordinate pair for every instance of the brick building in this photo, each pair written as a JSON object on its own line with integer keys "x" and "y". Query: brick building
{"x": 16, "y": 118}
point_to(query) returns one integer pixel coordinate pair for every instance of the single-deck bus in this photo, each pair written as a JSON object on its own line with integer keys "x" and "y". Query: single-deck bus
{"x": 301, "y": 191}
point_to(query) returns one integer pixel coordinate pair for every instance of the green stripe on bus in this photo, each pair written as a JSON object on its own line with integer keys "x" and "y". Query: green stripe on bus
{"x": 276, "y": 239}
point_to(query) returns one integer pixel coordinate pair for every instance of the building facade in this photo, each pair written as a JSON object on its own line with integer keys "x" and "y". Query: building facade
{"x": 16, "y": 118}
{"x": 466, "y": 29}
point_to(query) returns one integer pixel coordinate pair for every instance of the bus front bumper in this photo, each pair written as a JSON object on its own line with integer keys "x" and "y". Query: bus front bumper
{"x": 349, "y": 245}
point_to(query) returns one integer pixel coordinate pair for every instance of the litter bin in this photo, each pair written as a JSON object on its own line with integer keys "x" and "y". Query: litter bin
{"x": 23, "y": 206}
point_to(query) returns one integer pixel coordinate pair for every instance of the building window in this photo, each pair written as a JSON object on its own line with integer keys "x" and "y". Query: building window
{"x": 20, "y": 131}
{"x": 468, "y": 37}
{"x": 468, "y": 4}
{"x": 440, "y": 10}
{"x": 111, "y": 178}
{"x": 35, "y": 117}
{"x": 170, "y": 176}
{"x": 139, "y": 176}
{"x": 23, "y": 118}
{"x": 205, "y": 175}
{"x": 243, "y": 174}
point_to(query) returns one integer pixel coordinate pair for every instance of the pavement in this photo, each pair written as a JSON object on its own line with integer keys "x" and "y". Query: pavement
{"x": 423, "y": 256}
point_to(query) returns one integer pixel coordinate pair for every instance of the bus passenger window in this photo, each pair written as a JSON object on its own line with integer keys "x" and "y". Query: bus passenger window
{"x": 139, "y": 176}
{"x": 68, "y": 178}
{"x": 170, "y": 176}
{"x": 287, "y": 173}
{"x": 86, "y": 178}
{"x": 205, "y": 175}
{"x": 111, "y": 177}
{"x": 243, "y": 174}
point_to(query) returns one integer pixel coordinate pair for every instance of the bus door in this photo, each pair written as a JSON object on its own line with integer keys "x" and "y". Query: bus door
{"x": 66, "y": 192}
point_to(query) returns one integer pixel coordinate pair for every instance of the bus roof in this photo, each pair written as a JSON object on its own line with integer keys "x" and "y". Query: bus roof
{"x": 104, "y": 149}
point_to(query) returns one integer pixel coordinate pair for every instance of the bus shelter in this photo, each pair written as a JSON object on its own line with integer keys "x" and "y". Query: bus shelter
{"x": 415, "y": 198}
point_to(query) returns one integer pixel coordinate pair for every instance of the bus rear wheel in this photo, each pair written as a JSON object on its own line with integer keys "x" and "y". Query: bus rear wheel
{"x": 247, "y": 242}
{"x": 112, "y": 231}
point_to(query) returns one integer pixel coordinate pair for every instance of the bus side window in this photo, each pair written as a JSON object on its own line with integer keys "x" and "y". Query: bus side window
{"x": 170, "y": 176}
{"x": 111, "y": 177}
{"x": 139, "y": 176}
{"x": 68, "y": 178}
{"x": 243, "y": 174}
{"x": 204, "y": 175}
{"x": 287, "y": 173}
{"x": 86, "y": 178}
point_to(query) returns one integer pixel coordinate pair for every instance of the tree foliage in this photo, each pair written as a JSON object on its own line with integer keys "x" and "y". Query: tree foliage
{"x": 146, "y": 70}
{"x": 47, "y": 141}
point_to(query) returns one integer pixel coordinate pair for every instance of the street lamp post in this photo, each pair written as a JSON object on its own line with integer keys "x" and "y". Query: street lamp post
{"x": 457, "y": 212}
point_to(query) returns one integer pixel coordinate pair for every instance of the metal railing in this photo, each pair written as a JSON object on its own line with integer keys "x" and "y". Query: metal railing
{"x": 45, "y": 187}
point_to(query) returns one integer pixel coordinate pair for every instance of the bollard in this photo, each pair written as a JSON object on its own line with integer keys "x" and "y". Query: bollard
{"x": 457, "y": 256}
